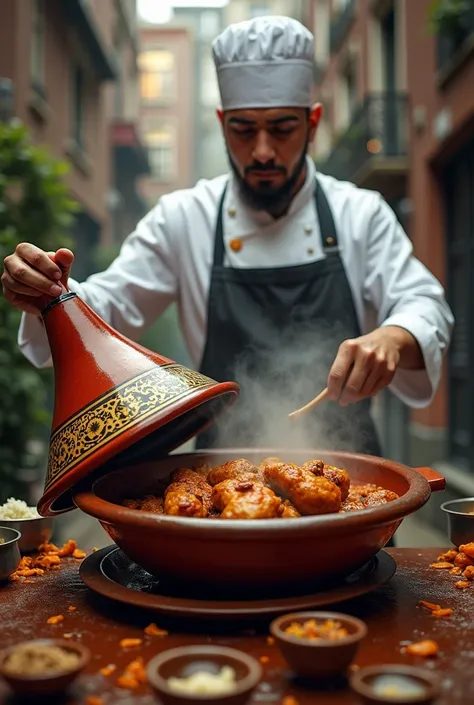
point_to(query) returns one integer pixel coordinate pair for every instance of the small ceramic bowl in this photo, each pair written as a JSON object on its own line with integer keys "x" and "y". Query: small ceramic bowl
{"x": 184, "y": 661}
{"x": 9, "y": 552}
{"x": 395, "y": 685}
{"x": 33, "y": 532}
{"x": 50, "y": 684}
{"x": 460, "y": 514}
{"x": 319, "y": 658}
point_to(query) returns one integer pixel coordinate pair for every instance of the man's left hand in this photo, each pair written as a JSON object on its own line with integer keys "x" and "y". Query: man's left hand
{"x": 365, "y": 365}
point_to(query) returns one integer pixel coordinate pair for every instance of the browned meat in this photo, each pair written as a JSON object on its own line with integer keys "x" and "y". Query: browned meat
{"x": 314, "y": 466}
{"x": 352, "y": 506}
{"x": 363, "y": 490}
{"x": 288, "y": 511}
{"x": 376, "y": 499}
{"x": 308, "y": 493}
{"x": 233, "y": 470}
{"x": 340, "y": 478}
{"x": 238, "y": 499}
{"x": 189, "y": 494}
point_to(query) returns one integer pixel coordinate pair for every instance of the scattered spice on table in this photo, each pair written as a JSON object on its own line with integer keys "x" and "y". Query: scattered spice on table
{"x": 442, "y": 565}
{"x": 133, "y": 676}
{"x": 94, "y": 700}
{"x": 460, "y": 562}
{"x": 129, "y": 643}
{"x": 289, "y": 700}
{"x": 108, "y": 670}
{"x": 446, "y": 612}
{"x": 428, "y": 605}
{"x": 468, "y": 549}
{"x": 55, "y": 619}
{"x": 270, "y": 640}
{"x": 49, "y": 558}
{"x": 426, "y": 648}
{"x": 72, "y": 608}
{"x": 153, "y": 630}
{"x": 264, "y": 659}
{"x": 77, "y": 553}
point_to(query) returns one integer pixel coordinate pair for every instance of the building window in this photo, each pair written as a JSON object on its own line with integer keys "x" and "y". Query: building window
{"x": 160, "y": 138}
{"x": 157, "y": 76}
{"x": 209, "y": 24}
{"x": 78, "y": 97}
{"x": 37, "y": 47}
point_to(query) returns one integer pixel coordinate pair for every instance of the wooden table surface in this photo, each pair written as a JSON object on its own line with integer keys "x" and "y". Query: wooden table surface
{"x": 391, "y": 614}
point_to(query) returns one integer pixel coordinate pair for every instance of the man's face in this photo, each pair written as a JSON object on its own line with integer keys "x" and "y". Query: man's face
{"x": 267, "y": 149}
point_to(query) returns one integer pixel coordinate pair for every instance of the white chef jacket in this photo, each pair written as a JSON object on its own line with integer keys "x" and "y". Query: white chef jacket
{"x": 169, "y": 258}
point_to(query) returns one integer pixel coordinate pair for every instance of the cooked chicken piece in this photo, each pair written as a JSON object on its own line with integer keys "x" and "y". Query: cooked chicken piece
{"x": 153, "y": 505}
{"x": 288, "y": 511}
{"x": 233, "y": 470}
{"x": 314, "y": 466}
{"x": 340, "y": 478}
{"x": 376, "y": 499}
{"x": 308, "y": 493}
{"x": 189, "y": 494}
{"x": 363, "y": 490}
{"x": 269, "y": 461}
{"x": 245, "y": 500}
{"x": 352, "y": 506}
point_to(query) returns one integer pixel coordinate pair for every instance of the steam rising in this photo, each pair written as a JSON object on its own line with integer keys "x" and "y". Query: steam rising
{"x": 275, "y": 381}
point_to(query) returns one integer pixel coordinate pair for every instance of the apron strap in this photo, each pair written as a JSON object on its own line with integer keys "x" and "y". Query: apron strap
{"x": 326, "y": 225}
{"x": 219, "y": 249}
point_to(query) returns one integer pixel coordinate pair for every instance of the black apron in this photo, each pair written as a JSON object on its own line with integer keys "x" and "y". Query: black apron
{"x": 276, "y": 331}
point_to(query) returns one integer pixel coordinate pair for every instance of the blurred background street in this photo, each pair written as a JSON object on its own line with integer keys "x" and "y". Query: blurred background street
{"x": 122, "y": 96}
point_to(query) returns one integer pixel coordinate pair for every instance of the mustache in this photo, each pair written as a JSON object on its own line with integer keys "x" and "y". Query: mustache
{"x": 269, "y": 166}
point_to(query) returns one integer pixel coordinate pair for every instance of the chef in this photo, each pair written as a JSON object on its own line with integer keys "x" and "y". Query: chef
{"x": 286, "y": 279}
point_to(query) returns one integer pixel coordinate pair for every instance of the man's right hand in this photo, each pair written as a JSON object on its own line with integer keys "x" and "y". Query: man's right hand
{"x": 30, "y": 273}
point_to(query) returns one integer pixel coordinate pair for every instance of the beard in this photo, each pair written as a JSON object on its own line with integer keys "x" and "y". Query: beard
{"x": 266, "y": 197}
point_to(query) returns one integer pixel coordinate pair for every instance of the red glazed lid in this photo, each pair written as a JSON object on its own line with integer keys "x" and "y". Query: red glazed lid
{"x": 115, "y": 401}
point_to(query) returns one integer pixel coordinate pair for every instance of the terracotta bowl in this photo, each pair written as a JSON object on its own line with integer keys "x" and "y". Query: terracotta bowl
{"x": 49, "y": 684}
{"x": 318, "y": 658}
{"x": 184, "y": 661}
{"x": 267, "y": 554}
{"x": 428, "y": 685}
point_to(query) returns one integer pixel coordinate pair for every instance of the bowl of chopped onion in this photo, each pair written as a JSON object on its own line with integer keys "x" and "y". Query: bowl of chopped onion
{"x": 208, "y": 675}
{"x": 318, "y": 644}
{"x": 34, "y": 529}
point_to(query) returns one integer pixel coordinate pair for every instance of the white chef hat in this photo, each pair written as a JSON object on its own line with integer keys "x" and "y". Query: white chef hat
{"x": 266, "y": 62}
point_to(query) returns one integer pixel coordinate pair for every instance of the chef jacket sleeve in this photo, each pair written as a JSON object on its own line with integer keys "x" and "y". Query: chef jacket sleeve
{"x": 405, "y": 294}
{"x": 136, "y": 288}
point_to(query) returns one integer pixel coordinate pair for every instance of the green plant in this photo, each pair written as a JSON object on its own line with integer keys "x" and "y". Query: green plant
{"x": 447, "y": 17}
{"x": 34, "y": 204}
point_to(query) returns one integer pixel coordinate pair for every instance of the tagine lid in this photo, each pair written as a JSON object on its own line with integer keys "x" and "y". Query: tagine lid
{"x": 116, "y": 402}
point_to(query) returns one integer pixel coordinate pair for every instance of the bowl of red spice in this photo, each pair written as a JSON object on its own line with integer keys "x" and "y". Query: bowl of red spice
{"x": 42, "y": 666}
{"x": 318, "y": 644}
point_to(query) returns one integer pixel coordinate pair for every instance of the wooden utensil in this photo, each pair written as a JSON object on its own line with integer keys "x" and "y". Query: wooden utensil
{"x": 304, "y": 409}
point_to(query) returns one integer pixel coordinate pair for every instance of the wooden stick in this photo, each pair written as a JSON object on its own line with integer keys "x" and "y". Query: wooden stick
{"x": 304, "y": 409}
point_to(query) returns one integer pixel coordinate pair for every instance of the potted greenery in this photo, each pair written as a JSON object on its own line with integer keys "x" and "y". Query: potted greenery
{"x": 449, "y": 17}
{"x": 34, "y": 203}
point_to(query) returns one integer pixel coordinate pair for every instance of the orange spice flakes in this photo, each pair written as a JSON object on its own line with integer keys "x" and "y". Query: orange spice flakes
{"x": 469, "y": 572}
{"x": 153, "y": 630}
{"x": 462, "y": 584}
{"x": 270, "y": 640}
{"x": 289, "y": 700}
{"x": 129, "y": 643}
{"x": 468, "y": 549}
{"x": 446, "y": 612}
{"x": 457, "y": 570}
{"x": 49, "y": 558}
{"x": 425, "y": 649}
{"x": 429, "y": 605}
{"x": 442, "y": 565}
{"x": 448, "y": 555}
{"x": 463, "y": 559}
{"x": 56, "y": 619}
{"x": 133, "y": 676}
{"x": 72, "y": 608}
{"x": 264, "y": 659}
{"x": 78, "y": 554}
{"x": 107, "y": 671}
{"x": 94, "y": 700}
